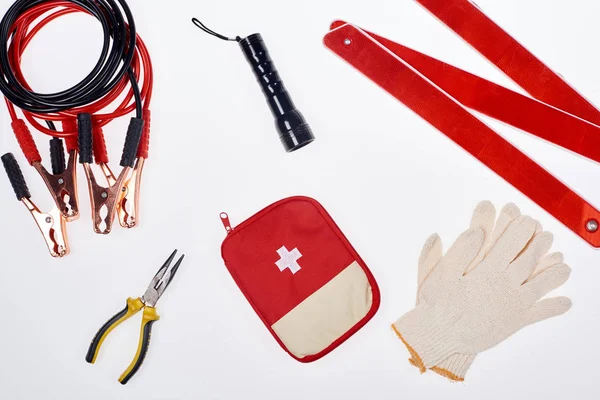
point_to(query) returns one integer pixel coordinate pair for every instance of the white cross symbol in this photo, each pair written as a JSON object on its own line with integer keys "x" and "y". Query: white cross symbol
{"x": 289, "y": 260}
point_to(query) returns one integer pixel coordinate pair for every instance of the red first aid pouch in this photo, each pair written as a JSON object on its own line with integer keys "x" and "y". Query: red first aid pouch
{"x": 301, "y": 275}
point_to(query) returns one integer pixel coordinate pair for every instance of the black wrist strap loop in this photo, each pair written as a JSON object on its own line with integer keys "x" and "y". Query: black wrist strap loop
{"x": 206, "y": 29}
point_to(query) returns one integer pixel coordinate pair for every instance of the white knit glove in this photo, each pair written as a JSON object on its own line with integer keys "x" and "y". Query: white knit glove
{"x": 458, "y": 316}
{"x": 456, "y": 366}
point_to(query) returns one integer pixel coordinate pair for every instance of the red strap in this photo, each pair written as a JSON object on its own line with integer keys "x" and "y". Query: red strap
{"x": 470, "y": 23}
{"x": 525, "y": 113}
{"x": 408, "y": 76}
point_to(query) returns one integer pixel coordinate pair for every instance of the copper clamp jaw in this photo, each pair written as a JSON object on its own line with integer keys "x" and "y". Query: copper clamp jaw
{"x": 105, "y": 201}
{"x": 129, "y": 206}
{"x": 52, "y": 225}
{"x": 63, "y": 187}
{"x": 121, "y": 195}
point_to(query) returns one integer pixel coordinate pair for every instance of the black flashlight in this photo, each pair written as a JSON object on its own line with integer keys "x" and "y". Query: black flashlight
{"x": 293, "y": 130}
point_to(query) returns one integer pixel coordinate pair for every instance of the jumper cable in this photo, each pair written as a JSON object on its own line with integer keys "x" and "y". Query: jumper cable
{"x": 121, "y": 83}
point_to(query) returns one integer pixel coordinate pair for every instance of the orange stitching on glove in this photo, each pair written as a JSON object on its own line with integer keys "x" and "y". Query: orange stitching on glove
{"x": 416, "y": 359}
{"x": 440, "y": 371}
{"x": 447, "y": 374}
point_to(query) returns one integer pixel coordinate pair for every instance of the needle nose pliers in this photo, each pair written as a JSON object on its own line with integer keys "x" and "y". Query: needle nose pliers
{"x": 148, "y": 301}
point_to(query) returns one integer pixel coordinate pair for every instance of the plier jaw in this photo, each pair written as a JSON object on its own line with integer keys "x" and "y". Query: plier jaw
{"x": 161, "y": 280}
{"x": 63, "y": 187}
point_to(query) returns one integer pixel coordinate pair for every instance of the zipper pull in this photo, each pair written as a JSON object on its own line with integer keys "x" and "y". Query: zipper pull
{"x": 226, "y": 223}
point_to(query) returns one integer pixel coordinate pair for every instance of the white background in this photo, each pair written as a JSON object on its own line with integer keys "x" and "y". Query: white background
{"x": 387, "y": 177}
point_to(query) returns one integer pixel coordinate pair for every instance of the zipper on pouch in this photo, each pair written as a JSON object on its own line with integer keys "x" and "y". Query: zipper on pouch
{"x": 226, "y": 223}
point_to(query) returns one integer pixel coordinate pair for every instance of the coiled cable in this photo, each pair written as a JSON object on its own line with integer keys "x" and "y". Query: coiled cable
{"x": 123, "y": 61}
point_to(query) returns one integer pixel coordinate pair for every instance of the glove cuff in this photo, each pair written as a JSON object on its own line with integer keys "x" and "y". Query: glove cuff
{"x": 428, "y": 336}
{"x": 414, "y": 359}
{"x": 455, "y": 367}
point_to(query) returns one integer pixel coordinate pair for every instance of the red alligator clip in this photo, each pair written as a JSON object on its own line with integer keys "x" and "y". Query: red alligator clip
{"x": 62, "y": 183}
{"x": 52, "y": 225}
{"x": 106, "y": 200}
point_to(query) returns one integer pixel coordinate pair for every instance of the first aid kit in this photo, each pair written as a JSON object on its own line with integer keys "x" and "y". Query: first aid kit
{"x": 301, "y": 275}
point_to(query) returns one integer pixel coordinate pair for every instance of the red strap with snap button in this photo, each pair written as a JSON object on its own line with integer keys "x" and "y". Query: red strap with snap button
{"x": 443, "y": 94}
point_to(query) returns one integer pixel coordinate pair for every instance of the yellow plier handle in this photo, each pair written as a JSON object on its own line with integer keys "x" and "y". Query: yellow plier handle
{"x": 132, "y": 308}
{"x": 150, "y": 316}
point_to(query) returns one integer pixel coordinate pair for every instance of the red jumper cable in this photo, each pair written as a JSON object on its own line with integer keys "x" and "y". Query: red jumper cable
{"x": 107, "y": 93}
